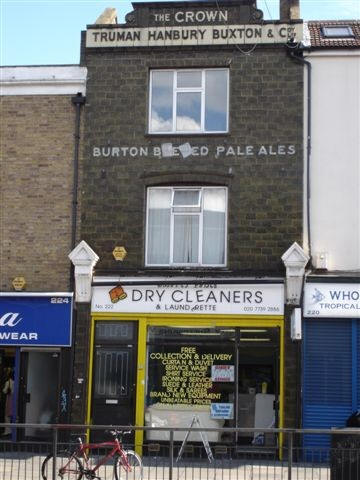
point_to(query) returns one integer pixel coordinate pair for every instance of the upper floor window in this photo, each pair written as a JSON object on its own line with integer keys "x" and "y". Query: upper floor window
{"x": 186, "y": 226}
{"x": 189, "y": 101}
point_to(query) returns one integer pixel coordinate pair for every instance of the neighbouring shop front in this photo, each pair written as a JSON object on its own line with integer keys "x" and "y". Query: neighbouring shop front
{"x": 35, "y": 329}
{"x": 162, "y": 353}
{"x": 331, "y": 355}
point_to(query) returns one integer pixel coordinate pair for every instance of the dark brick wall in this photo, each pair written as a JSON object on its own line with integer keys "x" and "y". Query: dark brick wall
{"x": 265, "y": 192}
{"x": 292, "y": 377}
{"x": 80, "y": 363}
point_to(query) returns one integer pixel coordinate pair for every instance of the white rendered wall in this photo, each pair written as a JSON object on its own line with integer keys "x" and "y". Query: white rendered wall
{"x": 335, "y": 158}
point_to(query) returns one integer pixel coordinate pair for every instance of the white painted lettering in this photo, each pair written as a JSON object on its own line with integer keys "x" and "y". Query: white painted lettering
{"x": 271, "y": 151}
{"x": 249, "y": 150}
{"x": 10, "y": 319}
{"x": 106, "y": 151}
{"x": 195, "y": 151}
{"x": 179, "y": 17}
{"x": 262, "y": 150}
{"x": 144, "y": 151}
{"x": 239, "y": 151}
{"x": 162, "y": 17}
{"x": 133, "y": 151}
{"x": 157, "y": 151}
{"x": 220, "y": 149}
{"x": 175, "y": 151}
{"x": 230, "y": 151}
{"x": 291, "y": 150}
{"x": 200, "y": 16}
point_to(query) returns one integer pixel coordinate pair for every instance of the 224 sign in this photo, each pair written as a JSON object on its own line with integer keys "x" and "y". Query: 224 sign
{"x": 59, "y": 300}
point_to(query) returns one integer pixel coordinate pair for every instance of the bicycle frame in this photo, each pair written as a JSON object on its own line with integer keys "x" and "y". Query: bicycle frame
{"x": 84, "y": 447}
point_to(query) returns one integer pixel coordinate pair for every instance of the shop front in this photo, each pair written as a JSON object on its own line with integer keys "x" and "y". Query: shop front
{"x": 165, "y": 351}
{"x": 34, "y": 329}
{"x": 331, "y": 355}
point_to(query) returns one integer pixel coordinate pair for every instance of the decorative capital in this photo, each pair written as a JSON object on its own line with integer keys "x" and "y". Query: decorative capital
{"x": 295, "y": 260}
{"x": 84, "y": 260}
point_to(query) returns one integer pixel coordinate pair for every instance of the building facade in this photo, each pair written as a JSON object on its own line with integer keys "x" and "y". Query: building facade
{"x": 39, "y": 118}
{"x": 331, "y": 326}
{"x": 191, "y": 201}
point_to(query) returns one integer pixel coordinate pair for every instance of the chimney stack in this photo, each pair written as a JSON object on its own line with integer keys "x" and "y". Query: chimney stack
{"x": 109, "y": 16}
{"x": 289, "y": 10}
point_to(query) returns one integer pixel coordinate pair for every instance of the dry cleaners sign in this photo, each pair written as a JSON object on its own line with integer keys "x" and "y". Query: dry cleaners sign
{"x": 269, "y": 33}
{"x": 239, "y": 299}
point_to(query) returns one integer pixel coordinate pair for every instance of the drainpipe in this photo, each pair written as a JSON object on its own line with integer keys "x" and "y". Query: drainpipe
{"x": 292, "y": 53}
{"x": 78, "y": 101}
{"x": 307, "y": 64}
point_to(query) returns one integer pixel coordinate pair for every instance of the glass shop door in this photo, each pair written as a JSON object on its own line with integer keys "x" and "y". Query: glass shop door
{"x": 39, "y": 390}
{"x": 257, "y": 384}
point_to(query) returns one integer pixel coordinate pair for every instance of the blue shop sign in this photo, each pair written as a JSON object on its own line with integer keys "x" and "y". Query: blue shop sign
{"x": 36, "y": 319}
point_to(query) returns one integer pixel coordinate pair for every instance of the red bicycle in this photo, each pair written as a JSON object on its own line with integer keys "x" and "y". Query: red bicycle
{"x": 78, "y": 464}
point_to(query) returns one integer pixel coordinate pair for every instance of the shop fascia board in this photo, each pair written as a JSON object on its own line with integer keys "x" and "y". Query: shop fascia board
{"x": 175, "y": 280}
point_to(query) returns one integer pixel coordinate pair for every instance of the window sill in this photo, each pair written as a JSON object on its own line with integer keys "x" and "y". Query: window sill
{"x": 192, "y": 135}
{"x": 184, "y": 269}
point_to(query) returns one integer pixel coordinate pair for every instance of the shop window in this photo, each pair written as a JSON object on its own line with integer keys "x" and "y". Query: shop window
{"x": 212, "y": 372}
{"x": 189, "y": 101}
{"x": 186, "y": 226}
{"x": 190, "y": 366}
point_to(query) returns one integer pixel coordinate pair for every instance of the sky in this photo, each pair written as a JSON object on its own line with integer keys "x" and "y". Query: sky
{"x": 47, "y": 32}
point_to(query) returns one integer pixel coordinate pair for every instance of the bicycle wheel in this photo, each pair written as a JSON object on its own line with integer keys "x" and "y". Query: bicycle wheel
{"x": 72, "y": 468}
{"x": 130, "y": 470}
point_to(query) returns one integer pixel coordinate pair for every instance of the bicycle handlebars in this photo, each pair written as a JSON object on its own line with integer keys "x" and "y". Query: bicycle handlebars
{"x": 116, "y": 432}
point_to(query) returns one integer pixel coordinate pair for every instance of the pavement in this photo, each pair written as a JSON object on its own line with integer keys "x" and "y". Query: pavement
{"x": 28, "y": 467}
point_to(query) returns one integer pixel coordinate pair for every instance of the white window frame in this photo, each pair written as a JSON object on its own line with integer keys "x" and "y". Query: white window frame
{"x": 177, "y": 90}
{"x": 200, "y": 239}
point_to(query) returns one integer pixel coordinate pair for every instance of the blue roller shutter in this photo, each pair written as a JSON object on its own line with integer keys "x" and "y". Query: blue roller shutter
{"x": 327, "y": 378}
{"x": 358, "y": 364}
